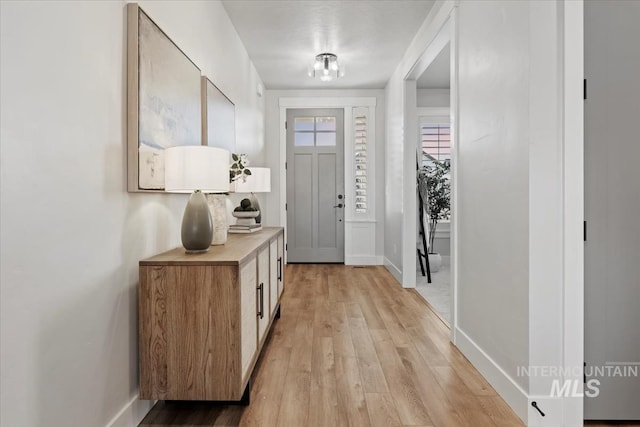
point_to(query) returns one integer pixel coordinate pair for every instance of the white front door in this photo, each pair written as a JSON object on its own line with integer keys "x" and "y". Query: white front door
{"x": 315, "y": 185}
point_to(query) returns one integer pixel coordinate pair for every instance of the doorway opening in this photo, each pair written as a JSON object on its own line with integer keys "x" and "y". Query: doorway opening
{"x": 433, "y": 237}
{"x": 430, "y": 112}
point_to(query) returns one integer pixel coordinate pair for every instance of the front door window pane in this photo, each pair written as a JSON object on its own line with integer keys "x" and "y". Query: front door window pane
{"x": 303, "y": 139}
{"x": 304, "y": 124}
{"x": 325, "y": 123}
{"x": 325, "y": 139}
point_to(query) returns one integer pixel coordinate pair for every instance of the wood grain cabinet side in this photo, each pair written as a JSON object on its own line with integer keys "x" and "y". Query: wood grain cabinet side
{"x": 204, "y": 318}
{"x": 181, "y": 311}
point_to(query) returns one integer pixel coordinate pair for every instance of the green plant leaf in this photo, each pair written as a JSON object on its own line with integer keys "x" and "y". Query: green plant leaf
{"x": 247, "y": 172}
{"x": 235, "y": 157}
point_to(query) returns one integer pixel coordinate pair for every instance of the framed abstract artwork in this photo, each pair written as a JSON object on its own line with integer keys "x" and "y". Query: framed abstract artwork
{"x": 218, "y": 118}
{"x": 163, "y": 100}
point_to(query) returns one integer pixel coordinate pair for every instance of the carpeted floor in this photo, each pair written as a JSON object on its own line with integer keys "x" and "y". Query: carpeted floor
{"x": 437, "y": 293}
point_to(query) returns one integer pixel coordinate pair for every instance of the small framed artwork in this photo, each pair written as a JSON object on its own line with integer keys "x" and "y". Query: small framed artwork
{"x": 163, "y": 100}
{"x": 218, "y": 117}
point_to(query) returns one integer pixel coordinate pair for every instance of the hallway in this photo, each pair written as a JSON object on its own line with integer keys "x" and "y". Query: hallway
{"x": 353, "y": 348}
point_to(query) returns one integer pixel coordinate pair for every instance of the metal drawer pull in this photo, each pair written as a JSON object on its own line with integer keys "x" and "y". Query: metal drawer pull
{"x": 280, "y": 269}
{"x": 261, "y": 300}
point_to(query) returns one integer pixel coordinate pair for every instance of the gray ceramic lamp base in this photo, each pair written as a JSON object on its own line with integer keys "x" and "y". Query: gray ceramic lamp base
{"x": 197, "y": 226}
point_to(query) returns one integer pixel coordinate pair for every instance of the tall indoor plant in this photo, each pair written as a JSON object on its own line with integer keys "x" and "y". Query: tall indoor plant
{"x": 435, "y": 187}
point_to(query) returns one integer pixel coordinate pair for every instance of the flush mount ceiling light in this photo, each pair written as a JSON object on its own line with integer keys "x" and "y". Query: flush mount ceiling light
{"x": 326, "y": 67}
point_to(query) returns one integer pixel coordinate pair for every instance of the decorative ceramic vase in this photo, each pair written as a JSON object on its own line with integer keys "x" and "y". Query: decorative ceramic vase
{"x": 230, "y": 208}
{"x": 218, "y": 208}
{"x": 196, "y": 224}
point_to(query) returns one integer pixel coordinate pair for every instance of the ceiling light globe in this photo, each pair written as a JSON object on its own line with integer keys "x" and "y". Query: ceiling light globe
{"x": 325, "y": 67}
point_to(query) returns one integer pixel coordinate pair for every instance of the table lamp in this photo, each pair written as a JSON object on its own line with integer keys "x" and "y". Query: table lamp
{"x": 194, "y": 169}
{"x": 258, "y": 182}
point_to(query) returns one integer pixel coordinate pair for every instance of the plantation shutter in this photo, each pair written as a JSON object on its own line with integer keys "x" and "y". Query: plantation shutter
{"x": 436, "y": 140}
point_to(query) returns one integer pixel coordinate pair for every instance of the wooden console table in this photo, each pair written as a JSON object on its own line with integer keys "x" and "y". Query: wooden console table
{"x": 203, "y": 318}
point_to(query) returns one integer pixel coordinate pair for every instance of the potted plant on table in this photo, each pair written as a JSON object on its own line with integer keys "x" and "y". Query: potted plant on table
{"x": 435, "y": 188}
{"x": 219, "y": 204}
{"x": 238, "y": 169}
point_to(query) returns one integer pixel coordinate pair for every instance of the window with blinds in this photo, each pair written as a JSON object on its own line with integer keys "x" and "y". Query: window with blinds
{"x": 436, "y": 140}
{"x": 360, "y": 155}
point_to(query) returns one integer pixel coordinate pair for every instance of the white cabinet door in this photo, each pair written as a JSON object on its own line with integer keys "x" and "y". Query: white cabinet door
{"x": 248, "y": 323}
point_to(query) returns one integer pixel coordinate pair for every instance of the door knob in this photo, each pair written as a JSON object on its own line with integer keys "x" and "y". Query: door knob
{"x": 339, "y": 205}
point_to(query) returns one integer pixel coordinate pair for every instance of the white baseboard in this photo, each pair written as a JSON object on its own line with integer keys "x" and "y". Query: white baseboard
{"x": 506, "y": 387}
{"x": 132, "y": 413}
{"x": 364, "y": 260}
{"x": 395, "y": 271}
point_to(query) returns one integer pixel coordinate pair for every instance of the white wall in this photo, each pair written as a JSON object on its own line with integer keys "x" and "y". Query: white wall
{"x": 493, "y": 210}
{"x": 434, "y": 97}
{"x": 511, "y": 233}
{"x": 71, "y": 234}
{"x": 394, "y": 177}
{"x": 275, "y": 200}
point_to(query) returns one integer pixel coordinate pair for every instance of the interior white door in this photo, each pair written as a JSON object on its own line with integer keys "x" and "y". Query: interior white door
{"x": 315, "y": 185}
{"x": 612, "y": 208}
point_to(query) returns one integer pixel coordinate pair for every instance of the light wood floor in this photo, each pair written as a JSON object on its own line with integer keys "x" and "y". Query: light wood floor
{"x": 353, "y": 348}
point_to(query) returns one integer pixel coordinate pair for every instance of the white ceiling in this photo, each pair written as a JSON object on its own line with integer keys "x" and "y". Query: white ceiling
{"x": 369, "y": 37}
{"x": 437, "y": 75}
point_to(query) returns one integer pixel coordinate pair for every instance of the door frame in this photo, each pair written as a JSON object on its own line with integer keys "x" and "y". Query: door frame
{"x": 444, "y": 33}
{"x": 286, "y": 103}
{"x": 572, "y": 42}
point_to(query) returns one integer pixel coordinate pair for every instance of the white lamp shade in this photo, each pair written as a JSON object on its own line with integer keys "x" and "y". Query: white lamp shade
{"x": 196, "y": 167}
{"x": 258, "y": 182}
